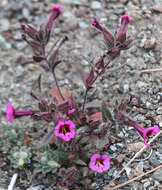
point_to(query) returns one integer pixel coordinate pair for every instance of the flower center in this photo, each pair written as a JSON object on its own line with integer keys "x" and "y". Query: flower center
{"x": 149, "y": 133}
{"x": 99, "y": 162}
{"x": 64, "y": 129}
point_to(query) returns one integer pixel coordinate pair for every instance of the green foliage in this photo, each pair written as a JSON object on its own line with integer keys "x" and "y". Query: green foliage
{"x": 9, "y": 136}
{"x": 20, "y": 156}
{"x": 46, "y": 160}
{"x": 106, "y": 114}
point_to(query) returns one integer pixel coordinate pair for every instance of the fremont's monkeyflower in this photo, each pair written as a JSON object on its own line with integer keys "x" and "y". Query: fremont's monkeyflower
{"x": 99, "y": 163}
{"x": 125, "y": 19}
{"x": 145, "y": 133}
{"x": 109, "y": 38}
{"x": 65, "y": 130}
{"x": 11, "y": 113}
{"x": 56, "y": 11}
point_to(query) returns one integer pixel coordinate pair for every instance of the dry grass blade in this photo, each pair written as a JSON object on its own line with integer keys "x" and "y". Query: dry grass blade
{"x": 136, "y": 155}
{"x": 135, "y": 178}
{"x": 151, "y": 70}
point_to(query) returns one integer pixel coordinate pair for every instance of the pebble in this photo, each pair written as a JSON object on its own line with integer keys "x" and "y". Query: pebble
{"x": 83, "y": 25}
{"x": 154, "y": 161}
{"x": 133, "y": 11}
{"x": 39, "y": 187}
{"x": 113, "y": 148}
{"x": 148, "y": 105}
{"x": 4, "y": 25}
{"x": 159, "y": 111}
{"x": 157, "y": 175}
{"x": 70, "y": 20}
{"x": 150, "y": 44}
{"x": 146, "y": 184}
{"x": 96, "y": 5}
{"x": 128, "y": 171}
{"x": 136, "y": 63}
{"x": 157, "y": 8}
{"x": 141, "y": 84}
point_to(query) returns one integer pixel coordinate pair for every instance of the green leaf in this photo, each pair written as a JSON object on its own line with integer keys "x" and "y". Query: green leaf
{"x": 81, "y": 129}
{"x": 80, "y": 162}
{"x": 106, "y": 114}
{"x": 100, "y": 143}
{"x": 84, "y": 140}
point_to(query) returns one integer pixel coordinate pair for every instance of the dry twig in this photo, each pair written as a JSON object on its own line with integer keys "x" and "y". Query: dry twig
{"x": 135, "y": 178}
{"x": 151, "y": 70}
{"x": 136, "y": 155}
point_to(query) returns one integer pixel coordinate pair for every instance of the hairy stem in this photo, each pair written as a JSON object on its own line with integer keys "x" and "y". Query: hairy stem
{"x": 98, "y": 74}
{"x": 85, "y": 98}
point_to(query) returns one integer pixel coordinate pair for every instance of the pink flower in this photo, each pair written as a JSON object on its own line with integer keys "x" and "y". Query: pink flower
{"x": 57, "y": 8}
{"x": 145, "y": 133}
{"x": 65, "y": 130}
{"x": 11, "y": 113}
{"x": 109, "y": 38}
{"x": 99, "y": 163}
{"x": 56, "y": 11}
{"x": 129, "y": 19}
{"x": 70, "y": 112}
{"x": 125, "y": 19}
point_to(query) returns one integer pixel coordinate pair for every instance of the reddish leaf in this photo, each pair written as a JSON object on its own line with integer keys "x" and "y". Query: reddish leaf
{"x": 56, "y": 94}
{"x": 96, "y": 116}
{"x": 27, "y": 139}
{"x": 89, "y": 78}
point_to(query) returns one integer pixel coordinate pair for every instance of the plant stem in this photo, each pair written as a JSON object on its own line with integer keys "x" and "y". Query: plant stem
{"x": 54, "y": 76}
{"x": 98, "y": 74}
{"x": 85, "y": 98}
{"x": 53, "y": 73}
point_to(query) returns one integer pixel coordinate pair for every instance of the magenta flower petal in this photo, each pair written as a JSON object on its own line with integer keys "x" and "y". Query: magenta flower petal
{"x": 145, "y": 133}
{"x": 56, "y": 11}
{"x": 126, "y": 17}
{"x": 57, "y": 8}
{"x": 65, "y": 130}
{"x": 99, "y": 163}
{"x": 70, "y": 112}
{"x": 10, "y": 113}
{"x": 109, "y": 38}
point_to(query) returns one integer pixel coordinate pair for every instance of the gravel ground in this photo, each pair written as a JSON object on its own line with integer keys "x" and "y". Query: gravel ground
{"x": 18, "y": 75}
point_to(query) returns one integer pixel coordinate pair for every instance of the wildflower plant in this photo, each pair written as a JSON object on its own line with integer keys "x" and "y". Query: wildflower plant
{"x": 77, "y": 137}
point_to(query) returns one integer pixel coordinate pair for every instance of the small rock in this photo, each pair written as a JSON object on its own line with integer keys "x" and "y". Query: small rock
{"x": 128, "y": 171}
{"x": 4, "y": 25}
{"x": 136, "y": 2}
{"x": 84, "y": 171}
{"x": 148, "y": 105}
{"x": 95, "y": 5}
{"x": 135, "y": 147}
{"x": 120, "y": 158}
{"x": 150, "y": 44}
{"x": 113, "y": 148}
{"x": 159, "y": 111}
{"x": 157, "y": 8}
{"x": 154, "y": 161}
{"x": 136, "y": 185}
{"x": 146, "y": 184}
{"x": 141, "y": 84}
{"x": 39, "y": 187}
{"x": 124, "y": 1}
{"x": 157, "y": 175}
{"x": 139, "y": 169}
{"x": 133, "y": 11}
{"x": 83, "y": 25}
